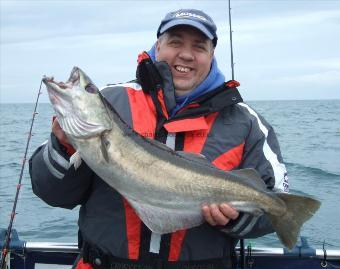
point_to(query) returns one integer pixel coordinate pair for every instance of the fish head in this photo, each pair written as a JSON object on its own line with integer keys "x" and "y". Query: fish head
{"x": 79, "y": 105}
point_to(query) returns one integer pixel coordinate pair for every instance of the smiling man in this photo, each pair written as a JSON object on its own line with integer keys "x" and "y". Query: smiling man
{"x": 181, "y": 99}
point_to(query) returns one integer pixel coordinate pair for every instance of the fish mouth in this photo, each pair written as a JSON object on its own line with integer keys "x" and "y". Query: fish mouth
{"x": 77, "y": 78}
{"x": 70, "y": 100}
{"x": 57, "y": 87}
{"x": 59, "y": 94}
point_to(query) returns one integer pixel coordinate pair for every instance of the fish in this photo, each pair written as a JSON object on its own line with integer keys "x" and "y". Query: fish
{"x": 166, "y": 188}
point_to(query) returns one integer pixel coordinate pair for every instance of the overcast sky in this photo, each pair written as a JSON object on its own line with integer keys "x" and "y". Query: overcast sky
{"x": 282, "y": 49}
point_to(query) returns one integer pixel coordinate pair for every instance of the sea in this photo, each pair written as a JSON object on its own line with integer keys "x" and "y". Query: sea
{"x": 308, "y": 132}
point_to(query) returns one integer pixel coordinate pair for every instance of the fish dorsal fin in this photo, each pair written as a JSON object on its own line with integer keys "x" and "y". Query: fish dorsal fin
{"x": 163, "y": 220}
{"x": 158, "y": 144}
{"x": 251, "y": 173}
{"x": 189, "y": 155}
{"x": 194, "y": 157}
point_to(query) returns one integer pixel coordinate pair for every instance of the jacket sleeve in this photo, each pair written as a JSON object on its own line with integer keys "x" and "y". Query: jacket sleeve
{"x": 261, "y": 152}
{"x": 54, "y": 180}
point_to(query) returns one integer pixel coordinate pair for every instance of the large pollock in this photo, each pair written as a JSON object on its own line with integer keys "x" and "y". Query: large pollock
{"x": 166, "y": 188}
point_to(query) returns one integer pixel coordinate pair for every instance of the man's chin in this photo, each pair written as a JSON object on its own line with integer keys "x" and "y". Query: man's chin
{"x": 182, "y": 92}
{"x": 182, "y": 89}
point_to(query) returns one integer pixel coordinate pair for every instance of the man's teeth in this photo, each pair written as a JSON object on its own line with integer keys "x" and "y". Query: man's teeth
{"x": 182, "y": 69}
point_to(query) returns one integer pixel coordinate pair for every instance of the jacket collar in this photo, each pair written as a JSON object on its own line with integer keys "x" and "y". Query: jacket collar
{"x": 156, "y": 76}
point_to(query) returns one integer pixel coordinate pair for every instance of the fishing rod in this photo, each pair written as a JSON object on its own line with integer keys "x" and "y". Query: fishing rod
{"x": 242, "y": 257}
{"x": 7, "y": 241}
{"x": 231, "y": 43}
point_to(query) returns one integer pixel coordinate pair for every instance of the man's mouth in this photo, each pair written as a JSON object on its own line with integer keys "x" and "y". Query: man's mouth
{"x": 182, "y": 69}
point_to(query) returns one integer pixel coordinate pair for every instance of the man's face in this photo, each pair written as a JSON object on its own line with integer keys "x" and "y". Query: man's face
{"x": 189, "y": 53}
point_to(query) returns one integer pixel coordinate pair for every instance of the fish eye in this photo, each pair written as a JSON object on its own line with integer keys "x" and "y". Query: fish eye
{"x": 91, "y": 88}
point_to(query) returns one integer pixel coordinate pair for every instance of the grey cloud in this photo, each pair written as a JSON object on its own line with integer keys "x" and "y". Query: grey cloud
{"x": 104, "y": 38}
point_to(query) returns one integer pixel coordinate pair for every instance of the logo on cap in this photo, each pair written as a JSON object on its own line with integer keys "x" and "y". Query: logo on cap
{"x": 189, "y": 14}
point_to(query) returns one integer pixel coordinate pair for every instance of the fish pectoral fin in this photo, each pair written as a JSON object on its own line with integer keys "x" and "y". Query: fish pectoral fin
{"x": 104, "y": 145}
{"x": 162, "y": 220}
{"x": 75, "y": 160}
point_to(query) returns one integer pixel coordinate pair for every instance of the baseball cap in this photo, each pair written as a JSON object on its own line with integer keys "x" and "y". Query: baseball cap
{"x": 192, "y": 17}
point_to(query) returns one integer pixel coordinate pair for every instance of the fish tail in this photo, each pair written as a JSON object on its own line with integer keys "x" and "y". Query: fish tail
{"x": 299, "y": 210}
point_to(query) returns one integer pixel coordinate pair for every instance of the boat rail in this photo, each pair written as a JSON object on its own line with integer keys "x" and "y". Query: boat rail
{"x": 28, "y": 254}
{"x": 256, "y": 251}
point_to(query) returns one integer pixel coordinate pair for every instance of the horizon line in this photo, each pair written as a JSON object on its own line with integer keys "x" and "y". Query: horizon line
{"x": 261, "y": 100}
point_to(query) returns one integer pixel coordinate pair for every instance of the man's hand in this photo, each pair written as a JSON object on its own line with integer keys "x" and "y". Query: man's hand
{"x": 219, "y": 214}
{"x": 59, "y": 133}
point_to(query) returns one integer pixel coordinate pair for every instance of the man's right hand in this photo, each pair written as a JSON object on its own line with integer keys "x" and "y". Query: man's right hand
{"x": 59, "y": 133}
{"x": 219, "y": 214}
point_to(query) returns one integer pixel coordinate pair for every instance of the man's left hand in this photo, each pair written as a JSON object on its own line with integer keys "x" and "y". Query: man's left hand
{"x": 219, "y": 214}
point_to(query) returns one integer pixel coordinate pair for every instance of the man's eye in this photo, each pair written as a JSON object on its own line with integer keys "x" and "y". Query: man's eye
{"x": 200, "y": 47}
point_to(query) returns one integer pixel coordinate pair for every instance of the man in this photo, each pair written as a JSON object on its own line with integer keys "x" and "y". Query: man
{"x": 179, "y": 98}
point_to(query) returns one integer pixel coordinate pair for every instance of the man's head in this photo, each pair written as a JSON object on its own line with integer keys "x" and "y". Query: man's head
{"x": 186, "y": 41}
{"x": 192, "y": 17}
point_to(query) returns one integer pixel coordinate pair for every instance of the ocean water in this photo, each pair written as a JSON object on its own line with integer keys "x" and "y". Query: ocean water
{"x": 308, "y": 132}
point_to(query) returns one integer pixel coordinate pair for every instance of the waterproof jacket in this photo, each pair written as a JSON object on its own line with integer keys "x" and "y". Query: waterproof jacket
{"x": 228, "y": 132}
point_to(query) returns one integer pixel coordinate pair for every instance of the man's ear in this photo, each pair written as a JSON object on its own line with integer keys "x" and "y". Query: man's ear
{"x": 157, "y": 48}
{"x": 212, "y": 52}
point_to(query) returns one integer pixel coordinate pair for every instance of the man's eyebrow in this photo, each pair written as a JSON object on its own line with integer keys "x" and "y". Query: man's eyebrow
{"x": 203, "y": 41}
{"x": 173, "y": 34}
{"x": 199, "y": 40}
{"x": 179, "y": 35}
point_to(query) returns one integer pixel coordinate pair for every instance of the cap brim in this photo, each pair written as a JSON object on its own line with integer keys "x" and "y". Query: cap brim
{"x": 195, "y": 24}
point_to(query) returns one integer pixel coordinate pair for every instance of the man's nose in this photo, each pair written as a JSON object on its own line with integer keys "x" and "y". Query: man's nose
{"x": 186, "y": 54}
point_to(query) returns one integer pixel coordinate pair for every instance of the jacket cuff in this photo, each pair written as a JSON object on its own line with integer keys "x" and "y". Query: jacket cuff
{"x": 55, "y": 157}
{"x": 241, "y": 226}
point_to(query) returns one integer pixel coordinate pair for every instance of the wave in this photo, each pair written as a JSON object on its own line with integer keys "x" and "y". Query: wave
{"x": 312, "y": 170}
{"x": 54, "y": 234}
{"x": 10, "y": 165}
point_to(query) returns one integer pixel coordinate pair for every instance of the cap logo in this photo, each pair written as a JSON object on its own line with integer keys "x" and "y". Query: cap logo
{"x": 189, "y": 14}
